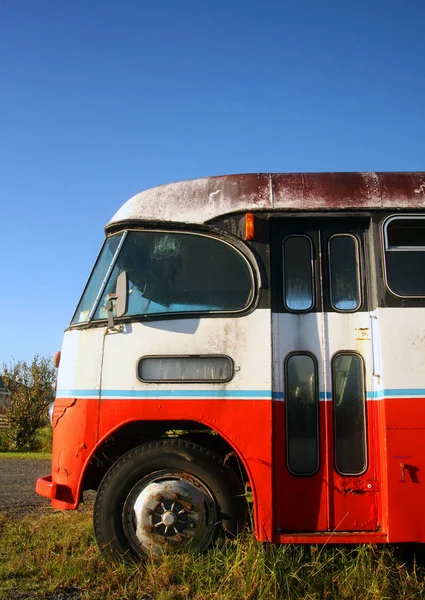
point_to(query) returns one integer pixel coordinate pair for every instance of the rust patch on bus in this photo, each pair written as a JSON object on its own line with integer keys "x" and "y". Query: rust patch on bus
{"x": 304, "y": 191}
{"x": 203, "y": 200}
{"x": 402, "y": 190}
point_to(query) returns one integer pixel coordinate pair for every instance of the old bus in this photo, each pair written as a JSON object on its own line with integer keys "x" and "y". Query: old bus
{"x": 254, "y": 337}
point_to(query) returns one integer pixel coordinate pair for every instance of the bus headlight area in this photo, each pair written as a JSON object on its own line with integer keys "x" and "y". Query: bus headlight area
{"x": 50, "y": 413}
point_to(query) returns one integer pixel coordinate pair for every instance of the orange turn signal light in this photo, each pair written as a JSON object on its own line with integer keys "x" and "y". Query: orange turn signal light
{"x": 57, "y": 359}
{"x": 249, "y": 226}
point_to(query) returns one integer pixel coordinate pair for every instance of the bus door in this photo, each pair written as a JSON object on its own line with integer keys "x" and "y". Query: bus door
{"x": 324, "y": 446}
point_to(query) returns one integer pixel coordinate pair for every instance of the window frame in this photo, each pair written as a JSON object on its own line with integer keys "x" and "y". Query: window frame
{"x": 234, "y": 244}
{"x": 385, "y": 248}
{"x": 109, "y": 270}
{"x": 184, "y": 381}
{"x": 358, "y": 273}
{"x": 366, "y": 441}
{"x": 312, "y": 269}
{"x": 317, "y": 399}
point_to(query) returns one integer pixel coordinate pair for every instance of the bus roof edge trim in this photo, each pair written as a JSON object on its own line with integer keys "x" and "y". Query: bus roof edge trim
{"x": 202, "y": 200}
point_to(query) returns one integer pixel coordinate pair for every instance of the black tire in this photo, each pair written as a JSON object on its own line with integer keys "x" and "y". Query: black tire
{"x": 167, "y": 496}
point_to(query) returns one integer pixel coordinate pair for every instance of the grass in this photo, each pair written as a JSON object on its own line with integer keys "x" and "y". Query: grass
{"x": 56, "y": 552}
{"x": 33, "y": 455}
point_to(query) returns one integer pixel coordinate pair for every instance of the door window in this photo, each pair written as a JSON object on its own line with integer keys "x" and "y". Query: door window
{"x": 298, "y": 273}
{"x": 349, "y": 413}
{"x": 302, "y": 414}
{"x": 404, "y": 240}
{"x": 344, "y": 273}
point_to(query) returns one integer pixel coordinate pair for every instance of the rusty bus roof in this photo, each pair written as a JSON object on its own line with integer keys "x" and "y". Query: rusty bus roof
{"x": 201, "y": 200}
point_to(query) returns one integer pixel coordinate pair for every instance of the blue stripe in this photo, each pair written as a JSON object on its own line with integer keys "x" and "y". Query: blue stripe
{"x": 167, "y": 393}
{"x": 405, "y": 392}
{"x": 394, "y": 393}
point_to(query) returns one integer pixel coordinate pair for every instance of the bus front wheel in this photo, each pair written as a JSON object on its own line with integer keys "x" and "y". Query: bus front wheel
{"x": 167, "y": 496}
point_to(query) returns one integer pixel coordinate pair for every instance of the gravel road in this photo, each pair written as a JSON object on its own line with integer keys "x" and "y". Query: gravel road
{"x": 17, "y": 485}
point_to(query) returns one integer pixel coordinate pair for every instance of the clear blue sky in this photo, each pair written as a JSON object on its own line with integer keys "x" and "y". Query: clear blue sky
{"x": 101, "y": 99}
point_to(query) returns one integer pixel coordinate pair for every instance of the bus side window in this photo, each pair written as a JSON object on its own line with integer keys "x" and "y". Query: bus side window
{"x": 302, "y": 414}
{"x": 349, "y": 413}
{"x": 177, "y": 272}
{"x": 344, "y": 272}
{"x": 404, "y": 246}
{"x": 298, "y": 276}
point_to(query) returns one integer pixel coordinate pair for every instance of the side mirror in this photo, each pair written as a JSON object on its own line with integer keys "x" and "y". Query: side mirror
{"x": 117, "y": 302}
{"x": 122, "y": 295}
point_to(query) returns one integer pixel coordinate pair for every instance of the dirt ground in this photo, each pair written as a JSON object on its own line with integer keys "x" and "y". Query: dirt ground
{"x": 17, "y": 485}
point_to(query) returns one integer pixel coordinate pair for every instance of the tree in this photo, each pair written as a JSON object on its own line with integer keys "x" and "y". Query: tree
{"x": 31, "y": 389}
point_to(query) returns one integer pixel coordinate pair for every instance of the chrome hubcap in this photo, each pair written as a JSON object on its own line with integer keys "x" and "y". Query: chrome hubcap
{"x": 169, "y": 511}
{"x": 169, "y": 518}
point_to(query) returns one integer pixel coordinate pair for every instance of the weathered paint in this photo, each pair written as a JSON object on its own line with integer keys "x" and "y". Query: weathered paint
{"x": 198, "y": 200}
{"x": 99, "y": 391}
{"x": 73, "y": 445}
{"x": 398, "y": 500}
{"x": 201, "y": 200}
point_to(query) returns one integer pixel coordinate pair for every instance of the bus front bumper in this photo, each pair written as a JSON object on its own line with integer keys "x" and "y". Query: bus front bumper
{"x": 61, "y": 495}
{"x": 46, "y": 488}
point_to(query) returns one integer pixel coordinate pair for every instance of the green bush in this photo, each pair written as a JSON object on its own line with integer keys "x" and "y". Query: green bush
{"x": 42, "y": 440}
{"x": 30, "y": 386}
{"x": 4, "y": 441}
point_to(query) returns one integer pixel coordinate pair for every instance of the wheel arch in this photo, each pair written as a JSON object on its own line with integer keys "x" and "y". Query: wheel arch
{"x": 129, "y": 434}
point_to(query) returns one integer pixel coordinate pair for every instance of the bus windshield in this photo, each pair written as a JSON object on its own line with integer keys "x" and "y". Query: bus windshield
{"x": 168, "y": 272}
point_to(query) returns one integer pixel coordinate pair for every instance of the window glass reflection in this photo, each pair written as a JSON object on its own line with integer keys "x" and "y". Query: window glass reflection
{"x": 96, "y": 278}
{"x": 349, "y": 414}
{"x": 185, "y": 368}
{"x": 302, "y": 414}
{"x": 298, "y": 273}
{"x": 405, "y": 256}
{"x": 344, "y": 272}
{"x": 170, "y": 272}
